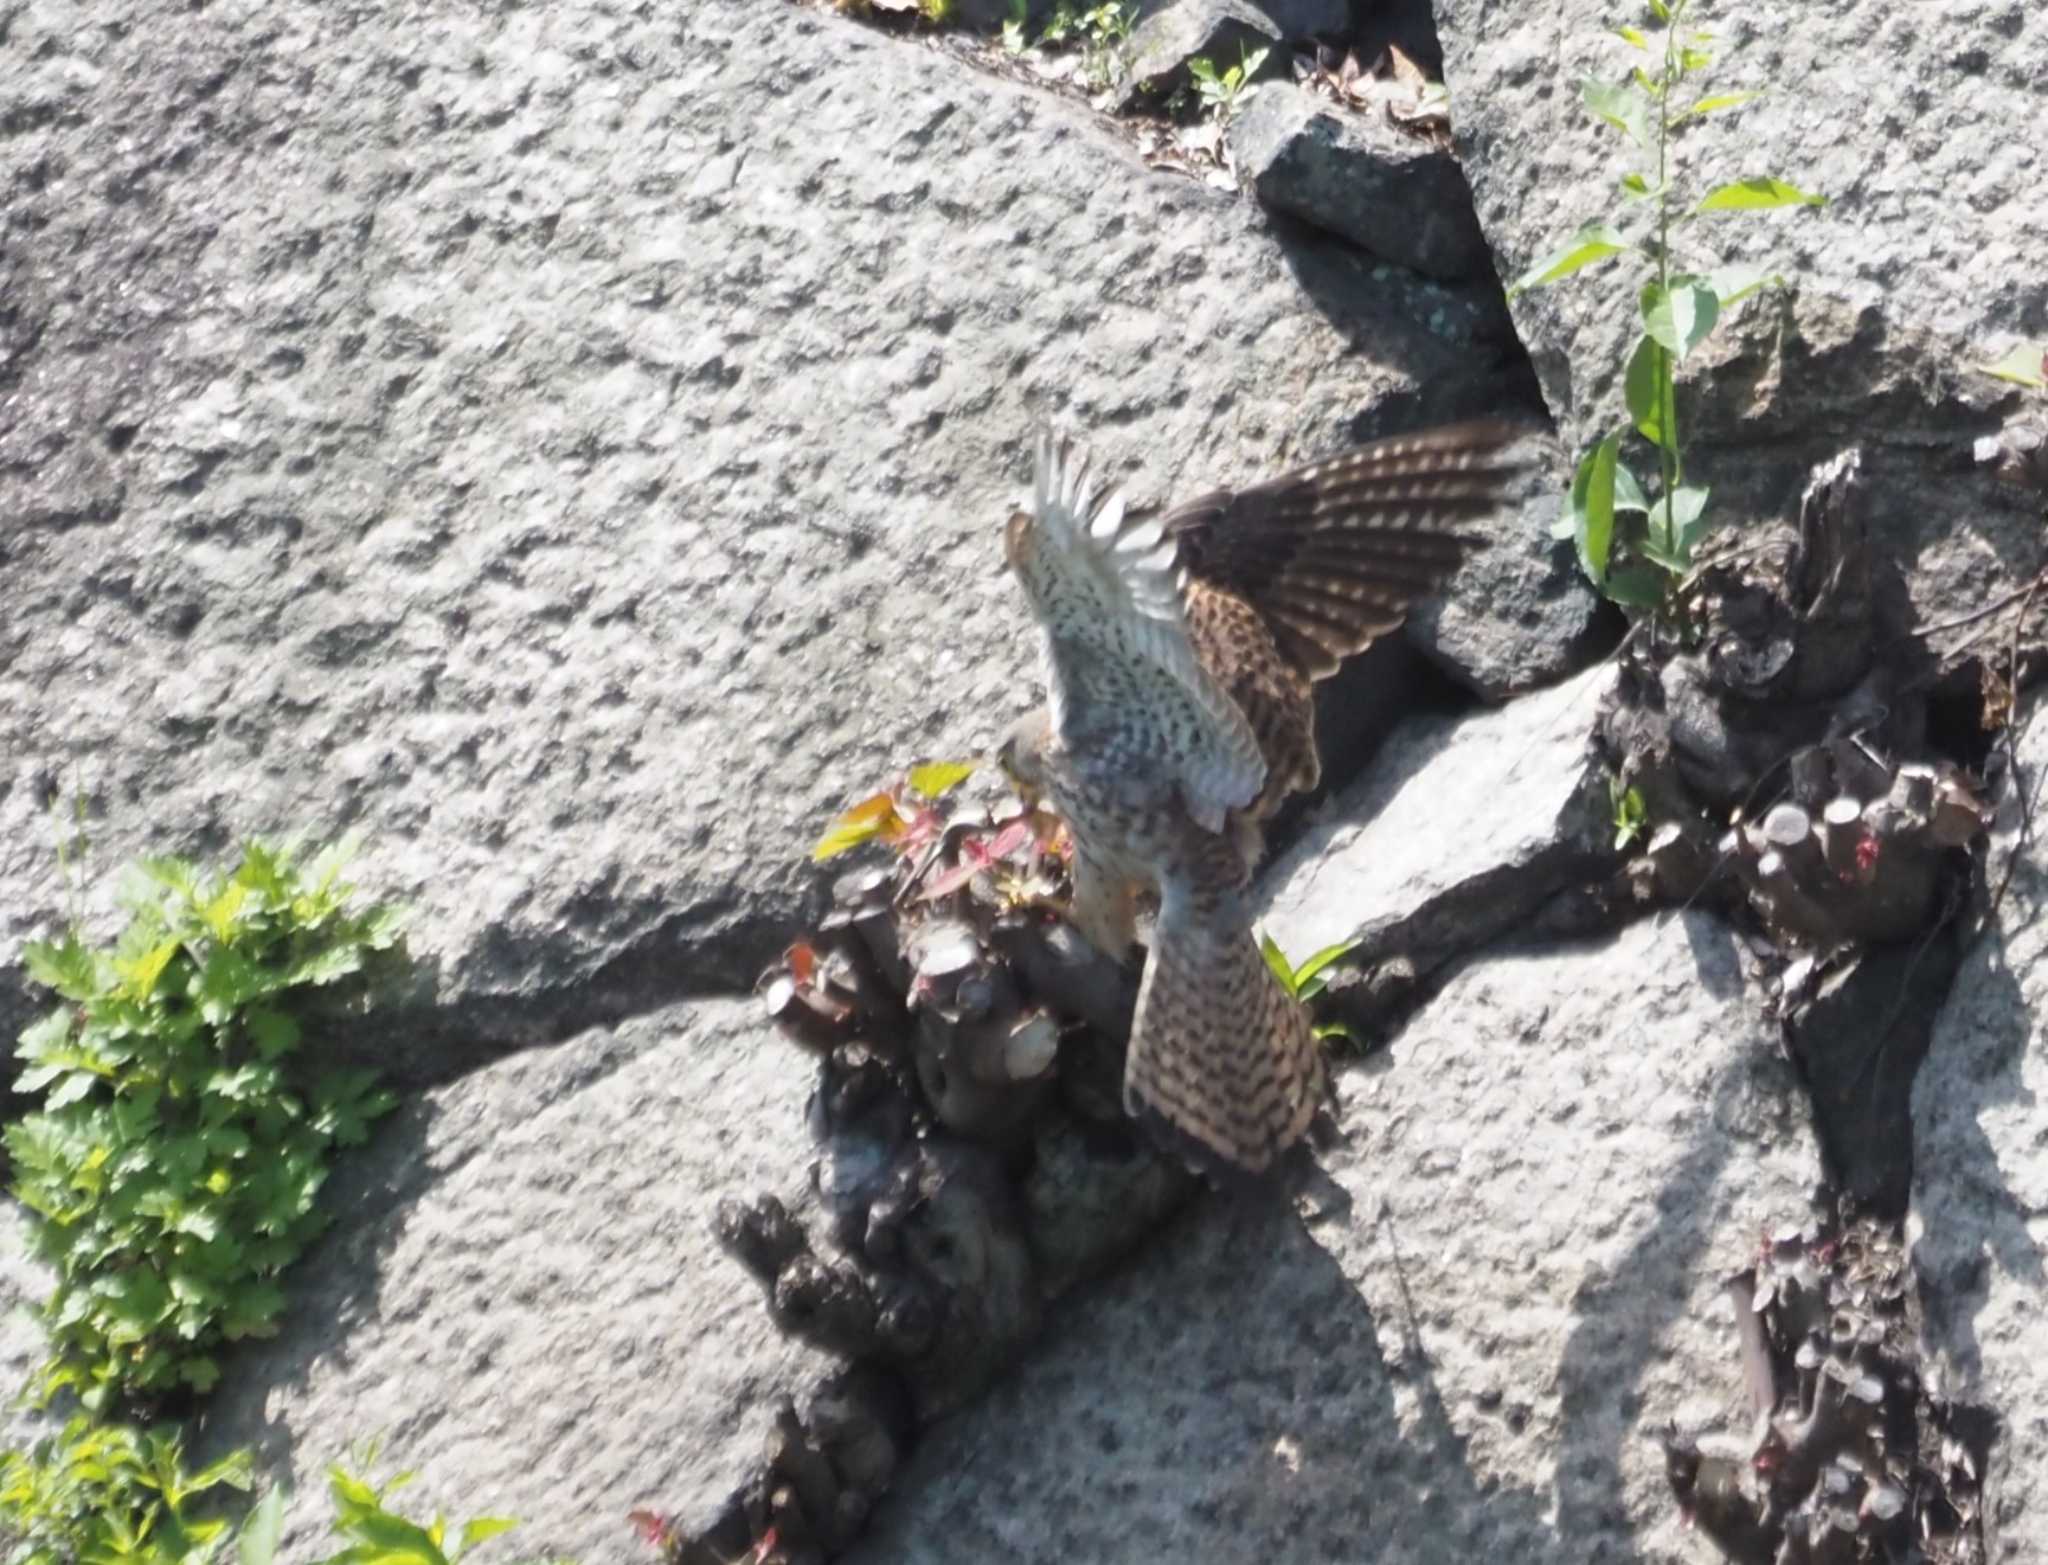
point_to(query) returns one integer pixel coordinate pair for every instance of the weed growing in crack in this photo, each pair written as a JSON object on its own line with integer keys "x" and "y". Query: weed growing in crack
{"x": 1630, "y": 815}
{"x": 1640, "y": 563}
{"x": 1102, "y": 32}
{"x": 173, "y": 1169}
{"x": 1307, "y": 981}
{"x": 1224, "y": 93}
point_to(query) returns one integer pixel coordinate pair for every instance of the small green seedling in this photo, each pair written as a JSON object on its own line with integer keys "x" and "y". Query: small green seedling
{"x": 1307, "y": 981}
{"x": 1630, "y": 814}
{"x": 1224, "y": 93}
{"x": 1640, "y": 564}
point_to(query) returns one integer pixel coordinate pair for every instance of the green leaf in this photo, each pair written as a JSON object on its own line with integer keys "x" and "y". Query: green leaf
{"x": 1592, "y": 243}
{"x": 139, "y": 974}
{"x": 1622, "y": 105}
{"x": 202, "y": 1375}
{"x": 1628, "y": 494}
{"x": 1686, "y": 518}
{"x": 1720, "y": 102}
{"x": 1276, "y": 959}
{"x": 1757, "y": 194}
{"x": 1323, "y": 958}
{"x": 219, "y": 914}
{"x": 1637, "y": 187}
{"x": 935, "y": 779}
{"x": 1636, "y": 586}
{"x": 1732, "y": 284}
{"x": 274, "y": 1033}
{"x": 349, "y": 1492}
{"x": 2025, "y": 364}
{"x": 399, "y": 1539}
{"x": 1680, "y": 318}
{"x": 1632, "y": 35}
{"x": 327, "y": 966}
{"x": 67, "y": 967}
{"x": 262, "y": 1529}
{"x": 1593, "y": 506}
{"x": 1660, "y": 10}
{"x": 1690, "y": 60}
{"x": 1647, "y": 389}
{"x": 475, "y": 1532}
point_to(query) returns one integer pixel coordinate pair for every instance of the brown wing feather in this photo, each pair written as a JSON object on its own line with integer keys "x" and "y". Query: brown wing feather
{"x": 1334, "y": 554}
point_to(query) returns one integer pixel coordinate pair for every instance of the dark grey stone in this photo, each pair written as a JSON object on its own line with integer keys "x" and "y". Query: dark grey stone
{"x": 1390, "y": 193}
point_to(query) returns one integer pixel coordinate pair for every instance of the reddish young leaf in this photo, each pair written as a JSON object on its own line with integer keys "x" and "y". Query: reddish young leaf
{"x": 803, "y": 963}
{"x": 651, "y": 1526}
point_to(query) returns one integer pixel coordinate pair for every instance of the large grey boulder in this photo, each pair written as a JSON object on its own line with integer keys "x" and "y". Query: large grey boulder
{"x": 521, "y": 1297}
{"x": 569, "y": 446}
{"x": 1460, "y": 1338}
{"x": 1924, "y": 129}
{"x": 1980, "y": 1192}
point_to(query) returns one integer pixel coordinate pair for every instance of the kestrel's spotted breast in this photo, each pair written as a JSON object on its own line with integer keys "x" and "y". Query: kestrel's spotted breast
{"x": 1180, "y": 654}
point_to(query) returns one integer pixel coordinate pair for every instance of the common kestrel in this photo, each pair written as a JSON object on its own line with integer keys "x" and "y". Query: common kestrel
{"x": 1179, "y": 652}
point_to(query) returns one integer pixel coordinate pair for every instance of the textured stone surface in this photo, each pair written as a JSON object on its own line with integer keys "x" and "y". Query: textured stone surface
{"x": 1458, "y": 831}
{"x": 1519, "y": 613}
{"x": 567, "y": 443}
{"x": 1925, "y": 127}
{"x": 522, "y": 1295}
{"x": 1462, "y": 1337}
{"x": 23, "y": 1287}
{"x": 1390, "y": 193}
{"x": 1979, "y": 1219}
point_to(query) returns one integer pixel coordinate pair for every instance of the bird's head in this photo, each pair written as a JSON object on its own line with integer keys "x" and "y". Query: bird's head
{"x": 1021, "y": 755}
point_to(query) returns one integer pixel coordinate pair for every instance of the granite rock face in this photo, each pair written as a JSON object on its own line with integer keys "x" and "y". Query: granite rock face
{"x": 516, "y": 437}
{"x": 522, "y": 1297}
{"x": 1461, "y": 1333}
{"x": 1923, "y": 131}
{"x": 1979, "y": 1218}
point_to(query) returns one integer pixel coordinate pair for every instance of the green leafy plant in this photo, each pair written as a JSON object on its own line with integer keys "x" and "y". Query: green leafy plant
{"x": 1630, "y": 814}
{"x": 1640, "y": 563}
{"x": 1103, "y": 32}
{"x": 1225, "y": 92}
{"x": 172, "y": 1171}
{"x": 1016, "y": 35}
{"x": 378, "y": 1535}
{"x": 1308, "y": 980}
{"x": 91, "y": 1493}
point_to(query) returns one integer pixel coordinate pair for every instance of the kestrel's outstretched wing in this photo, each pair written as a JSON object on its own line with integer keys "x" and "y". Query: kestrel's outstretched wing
{"x": 1289, "y": 578}
{"x": 1124, "y": 681}
{"x": 1180, "y": 651}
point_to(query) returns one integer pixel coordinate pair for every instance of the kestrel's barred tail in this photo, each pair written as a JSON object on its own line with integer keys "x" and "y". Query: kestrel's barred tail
{"x": 1333, "y": 555}
{"x": 1221, "y": 1054}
